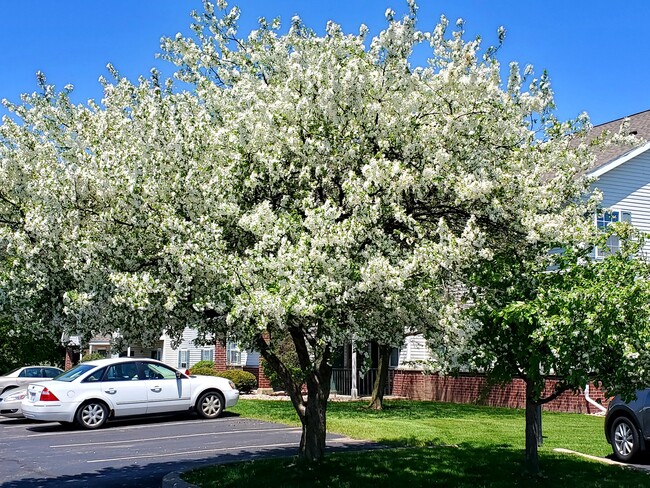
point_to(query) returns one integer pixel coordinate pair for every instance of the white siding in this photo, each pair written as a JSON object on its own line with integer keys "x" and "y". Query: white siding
{"x": 627, "y": 187}
{"x": 170, "y": 355}
{"x": 415, "y": 349}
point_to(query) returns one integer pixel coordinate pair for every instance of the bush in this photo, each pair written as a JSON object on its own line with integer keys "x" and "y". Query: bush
{"x": 203, "y": 364}
{"x": 91, "y": 357}
{"x": 243, "y": 380}
{"x": 204, "y": 370}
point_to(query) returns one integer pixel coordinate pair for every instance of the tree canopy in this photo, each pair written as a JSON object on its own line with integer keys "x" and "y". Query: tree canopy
{"x": 314, "y": 187}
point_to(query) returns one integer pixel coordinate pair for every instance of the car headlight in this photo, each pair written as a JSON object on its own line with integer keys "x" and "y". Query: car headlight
{"x": 232, "y": 385}
{"x": 14, "y": 397}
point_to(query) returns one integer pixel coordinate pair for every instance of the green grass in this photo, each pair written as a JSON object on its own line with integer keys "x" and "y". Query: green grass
{"x": 432, "y": 444}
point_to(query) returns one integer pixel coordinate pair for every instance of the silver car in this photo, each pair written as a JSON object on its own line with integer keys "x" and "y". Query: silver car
{"x": 22, "y": 377}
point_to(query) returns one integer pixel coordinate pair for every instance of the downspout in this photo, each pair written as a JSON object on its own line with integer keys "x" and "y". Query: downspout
{"x": 591, "y": 400}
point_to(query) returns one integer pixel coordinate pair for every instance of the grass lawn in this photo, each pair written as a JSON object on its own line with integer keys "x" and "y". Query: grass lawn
{"x": 432, "y": 444}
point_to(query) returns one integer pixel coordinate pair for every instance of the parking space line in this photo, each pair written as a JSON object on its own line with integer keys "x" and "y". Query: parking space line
{"x": 177, "y": 454}
{"x": 111, "y": 428}
{"x": 202, "y": 434}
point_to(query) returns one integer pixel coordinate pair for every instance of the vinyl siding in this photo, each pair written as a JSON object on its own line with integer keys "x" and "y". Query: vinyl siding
{"x": 627, "y": 188}
{"x": 415, "y": 349}
{"x": 170, "y": 355}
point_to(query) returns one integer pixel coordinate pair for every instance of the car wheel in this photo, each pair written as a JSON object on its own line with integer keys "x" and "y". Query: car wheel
{"x": 210, "y": 405}
{"x": 92, "y": 415}
{"x": 625, "y": 439}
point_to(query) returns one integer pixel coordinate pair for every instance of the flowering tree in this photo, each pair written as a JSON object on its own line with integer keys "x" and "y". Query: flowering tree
{"x": 313, "y": 187}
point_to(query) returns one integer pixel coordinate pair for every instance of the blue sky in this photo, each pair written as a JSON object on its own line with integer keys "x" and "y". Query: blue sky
{"x": 596, "y": 52}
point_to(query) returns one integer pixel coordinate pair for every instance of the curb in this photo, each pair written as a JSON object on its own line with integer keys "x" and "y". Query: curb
{"x": 611, "y": 462}
{"x": 173, "y": 480}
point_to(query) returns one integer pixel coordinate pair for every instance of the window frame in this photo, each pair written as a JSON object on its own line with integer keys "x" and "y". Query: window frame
{"x": 603, "y": 218}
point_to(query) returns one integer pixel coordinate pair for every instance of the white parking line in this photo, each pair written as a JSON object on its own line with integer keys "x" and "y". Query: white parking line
{"x": 155, "y": 439}
{"x": 177, "y": 454}
{"x": 88, "y": 432}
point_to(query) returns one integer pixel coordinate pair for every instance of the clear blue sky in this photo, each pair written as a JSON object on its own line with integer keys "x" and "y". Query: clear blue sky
{"x": 596, "y": 52}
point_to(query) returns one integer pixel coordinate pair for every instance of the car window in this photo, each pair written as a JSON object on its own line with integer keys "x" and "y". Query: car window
{"x": 122, "y": 372}
{"x": 74, "y": 373}
{"x": 154, "y": 371}
{"x": 31, "y": 373}
{"x": 95, "y": 376}
{"x": 51, "y": 372}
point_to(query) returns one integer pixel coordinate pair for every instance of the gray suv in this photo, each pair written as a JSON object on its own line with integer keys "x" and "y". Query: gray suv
{"x": 627, "y": 425}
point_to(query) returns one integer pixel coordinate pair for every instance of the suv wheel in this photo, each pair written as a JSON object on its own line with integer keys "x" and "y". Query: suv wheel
{"x": 625, "y": 439}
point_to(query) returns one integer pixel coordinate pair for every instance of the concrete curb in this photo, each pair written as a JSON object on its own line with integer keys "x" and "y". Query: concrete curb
{"x": 173, "y": 480}
{"x": 640, "y": 467}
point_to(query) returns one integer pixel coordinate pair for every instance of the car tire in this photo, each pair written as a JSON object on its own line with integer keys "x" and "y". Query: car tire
{"x": 210, "y": 405}
{"x": 92, "y": 414}
{"x": 625, "y": 439}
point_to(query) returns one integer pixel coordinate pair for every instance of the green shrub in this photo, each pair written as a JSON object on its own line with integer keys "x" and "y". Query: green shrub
{"x": 91, "y": 357}
{"x": 243, "y": 380}
{"x": 203, "y": 364}
{"x": 204, "y": 370}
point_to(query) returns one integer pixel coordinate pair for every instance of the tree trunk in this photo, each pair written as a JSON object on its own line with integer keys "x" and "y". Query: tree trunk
{"x": 378, "y": 389}
{"x": 533, "y": 434}
{"x": 314, "y": 420}
{"x": 313, "y": 411}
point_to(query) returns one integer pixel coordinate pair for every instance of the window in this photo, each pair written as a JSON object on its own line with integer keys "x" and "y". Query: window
{"x": 393, "y": 360}
{"x": 52, "y": 372}
{"x": 95, "y": 376}
{"x": 233, "y": 354}
{"x": 122, "y": 372}
{"x": 31, "y": 373}
{"x": 207, "y": 355}
{"x": 183, "y": 358}
{"x": 158, "y": 372}
{"x": 603, "y": 219}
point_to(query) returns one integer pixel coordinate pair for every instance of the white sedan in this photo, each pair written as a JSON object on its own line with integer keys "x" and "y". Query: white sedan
{"x": 10, "y": 402}
{"x": 95, "y": 391}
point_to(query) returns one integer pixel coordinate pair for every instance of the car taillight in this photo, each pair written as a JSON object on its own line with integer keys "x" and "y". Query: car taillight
{"x": 48, "y": 396}
{"x": 187, "y": 372}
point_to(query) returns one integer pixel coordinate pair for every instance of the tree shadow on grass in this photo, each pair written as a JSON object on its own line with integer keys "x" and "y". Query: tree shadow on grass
{"x": 422, "y": 467}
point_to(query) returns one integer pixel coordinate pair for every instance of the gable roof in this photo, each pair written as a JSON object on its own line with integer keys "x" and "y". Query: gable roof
{"x": 610, "y": 157}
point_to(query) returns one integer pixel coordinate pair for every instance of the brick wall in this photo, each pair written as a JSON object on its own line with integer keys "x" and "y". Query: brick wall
{"x": 474, "y": 389}
{"x": 220, "y": 356}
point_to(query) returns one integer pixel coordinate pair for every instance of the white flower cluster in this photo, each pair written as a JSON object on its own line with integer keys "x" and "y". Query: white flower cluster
{"x": 307, "y": 181}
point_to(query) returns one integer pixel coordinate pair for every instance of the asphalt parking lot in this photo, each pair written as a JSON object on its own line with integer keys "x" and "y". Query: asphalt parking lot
{"x": 134, "y": 452}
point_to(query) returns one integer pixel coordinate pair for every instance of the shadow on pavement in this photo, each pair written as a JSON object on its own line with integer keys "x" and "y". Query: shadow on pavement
{"x": 151, "y": 474}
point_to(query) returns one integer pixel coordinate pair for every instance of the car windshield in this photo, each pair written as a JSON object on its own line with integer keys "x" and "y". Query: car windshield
{"x": 75, "y": 372}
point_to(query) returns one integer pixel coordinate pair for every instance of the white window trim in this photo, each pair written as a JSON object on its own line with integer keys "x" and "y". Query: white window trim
{"x": 624, "y": 215}
{"x": 183, "y": 353}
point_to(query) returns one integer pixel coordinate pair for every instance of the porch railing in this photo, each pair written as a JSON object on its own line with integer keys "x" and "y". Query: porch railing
{"x": 342, "y": 381}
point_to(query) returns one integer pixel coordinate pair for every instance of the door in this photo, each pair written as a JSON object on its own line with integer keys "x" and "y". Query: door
{"x": 124, "y": 388}
{"x": 165, "y": 392}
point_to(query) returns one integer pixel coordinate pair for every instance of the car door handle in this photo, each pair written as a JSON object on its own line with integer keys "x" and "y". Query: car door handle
{"x": 111, "y": 391}
{"x": 156, "y": 389}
